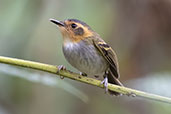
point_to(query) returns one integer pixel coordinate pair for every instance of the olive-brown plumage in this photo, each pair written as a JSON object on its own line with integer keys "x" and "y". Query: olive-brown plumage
{"x": 85, "y": 50}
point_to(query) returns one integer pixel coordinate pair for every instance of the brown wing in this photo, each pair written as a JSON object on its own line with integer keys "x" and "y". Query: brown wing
{"x": 109, "y": 55}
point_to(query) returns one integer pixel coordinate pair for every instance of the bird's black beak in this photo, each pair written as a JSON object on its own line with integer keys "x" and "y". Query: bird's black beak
{"x": 59, "y": 23}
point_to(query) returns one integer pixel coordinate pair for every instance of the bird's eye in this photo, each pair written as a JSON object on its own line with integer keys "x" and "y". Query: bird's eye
{"x": 73, "y": 25}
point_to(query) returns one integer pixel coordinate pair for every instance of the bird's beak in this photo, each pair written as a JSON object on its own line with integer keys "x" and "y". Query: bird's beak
{"x": 59, "y": 23}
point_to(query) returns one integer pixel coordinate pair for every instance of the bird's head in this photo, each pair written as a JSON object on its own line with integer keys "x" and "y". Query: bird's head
{"x": 73, "y": 30}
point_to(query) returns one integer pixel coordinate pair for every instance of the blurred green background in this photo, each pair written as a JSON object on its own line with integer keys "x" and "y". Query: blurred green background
{"x": 138, "y": 30}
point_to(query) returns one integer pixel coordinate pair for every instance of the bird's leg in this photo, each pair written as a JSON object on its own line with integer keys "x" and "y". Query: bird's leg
{"x": 105, "y": 82}
{"x": 61, "y": 67}
{"x": 83, "y": 74}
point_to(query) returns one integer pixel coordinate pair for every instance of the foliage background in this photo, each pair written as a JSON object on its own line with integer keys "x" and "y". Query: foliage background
{"x": 139, "y": 31}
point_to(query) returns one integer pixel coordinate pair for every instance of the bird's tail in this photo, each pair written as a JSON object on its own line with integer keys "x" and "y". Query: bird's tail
{"x": 112, "y": 79}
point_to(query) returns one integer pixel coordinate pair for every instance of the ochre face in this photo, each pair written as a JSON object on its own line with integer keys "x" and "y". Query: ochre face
{"x": 75, "y": 31}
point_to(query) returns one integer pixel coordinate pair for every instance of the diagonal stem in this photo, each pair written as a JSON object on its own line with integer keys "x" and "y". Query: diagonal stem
{"x": 68, "y": 74}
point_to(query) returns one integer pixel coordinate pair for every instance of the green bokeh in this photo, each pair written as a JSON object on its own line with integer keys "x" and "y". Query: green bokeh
{"x": 26, "y": 33}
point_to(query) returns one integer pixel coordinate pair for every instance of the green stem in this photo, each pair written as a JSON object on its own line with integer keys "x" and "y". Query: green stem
{"x": 66, "y": 73}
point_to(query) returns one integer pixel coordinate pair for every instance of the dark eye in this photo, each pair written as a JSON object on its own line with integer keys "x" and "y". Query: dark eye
{"x": 73, "y": 25}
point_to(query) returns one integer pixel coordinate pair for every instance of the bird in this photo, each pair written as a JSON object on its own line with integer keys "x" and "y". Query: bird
{"x": 85, "y": 50}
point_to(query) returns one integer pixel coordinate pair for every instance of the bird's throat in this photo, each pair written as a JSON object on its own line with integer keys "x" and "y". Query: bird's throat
{"x": 69, "y": 43}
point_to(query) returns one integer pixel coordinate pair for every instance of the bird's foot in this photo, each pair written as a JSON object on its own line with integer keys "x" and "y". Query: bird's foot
{"x": 105, "y": 82}
{"x": 83, "y": 74}
{"x": 61, "y": 67}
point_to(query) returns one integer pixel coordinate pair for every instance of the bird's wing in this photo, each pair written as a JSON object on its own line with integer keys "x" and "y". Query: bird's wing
{"x": 109, "y": 55}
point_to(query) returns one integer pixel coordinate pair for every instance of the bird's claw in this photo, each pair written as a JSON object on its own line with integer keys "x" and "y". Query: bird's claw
{"x": 105, "y": 83}
{"x": 61, "y": 67}
{"x": 83, "y": 74}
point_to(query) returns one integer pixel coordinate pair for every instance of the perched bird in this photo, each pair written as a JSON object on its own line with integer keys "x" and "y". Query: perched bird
{"x": 85, "y": 50}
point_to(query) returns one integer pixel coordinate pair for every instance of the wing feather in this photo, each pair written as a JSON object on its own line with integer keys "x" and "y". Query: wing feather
{"x": 109, "y": 55}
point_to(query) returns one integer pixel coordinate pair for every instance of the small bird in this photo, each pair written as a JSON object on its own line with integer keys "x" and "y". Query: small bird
{"x": 85, "y": 50}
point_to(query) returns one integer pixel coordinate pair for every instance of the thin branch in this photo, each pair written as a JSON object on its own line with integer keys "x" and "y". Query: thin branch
{"x": 68, "y": 74}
